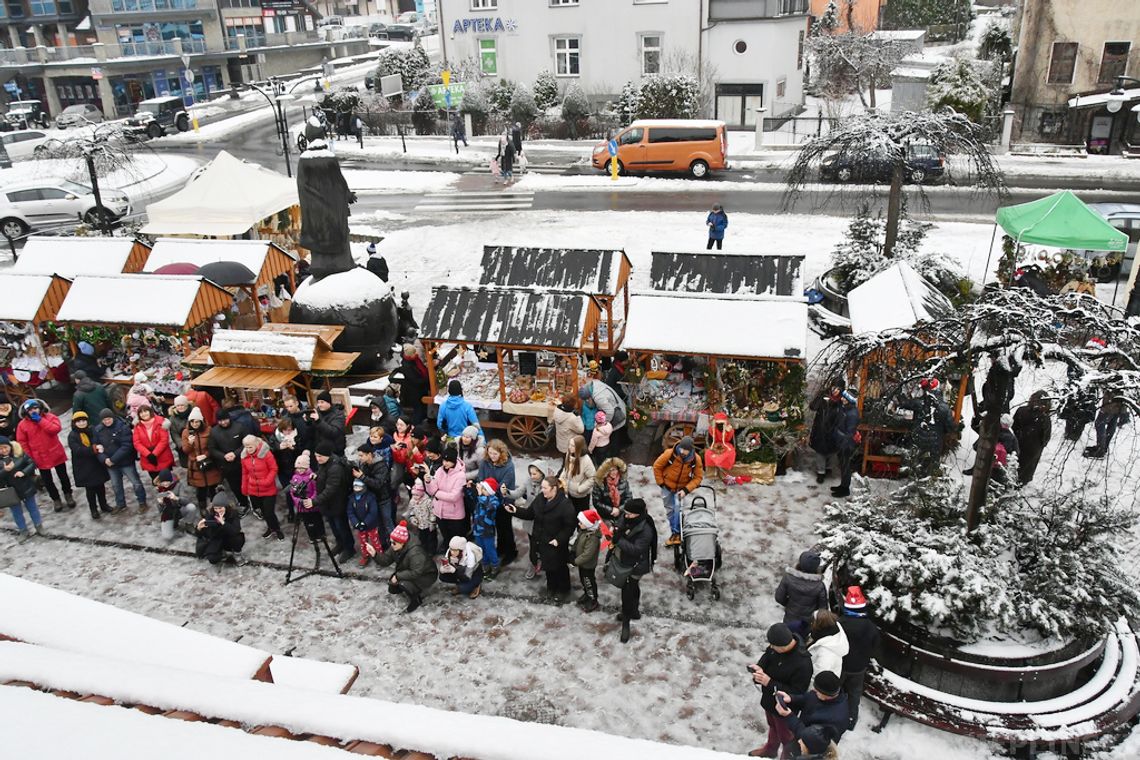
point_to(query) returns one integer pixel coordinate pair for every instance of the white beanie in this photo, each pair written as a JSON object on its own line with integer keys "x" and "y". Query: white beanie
{"x": 1006, "y": 420}
{"x": 457, "y": 543}
{"x": 196, "y": 414}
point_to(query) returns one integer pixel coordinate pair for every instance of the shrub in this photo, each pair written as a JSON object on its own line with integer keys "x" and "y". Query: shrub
{"x": 523, "y": 108}
{"x": 575, "y": 110}
{"x": 545, "y": 90}
{"x": 424, "y": 114}
{"x": 670, "y": 96}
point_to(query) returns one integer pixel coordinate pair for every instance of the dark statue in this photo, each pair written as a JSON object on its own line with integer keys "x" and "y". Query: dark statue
{"x": 371, "y": 326}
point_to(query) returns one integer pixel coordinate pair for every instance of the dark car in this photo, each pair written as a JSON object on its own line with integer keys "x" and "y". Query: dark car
{"x": 402, "y": 32}
{"x": 158, "y": 116}
{"x": 923, "y": 164}
{"x": 24, "y": 114}
{"x": 378, "y": 30}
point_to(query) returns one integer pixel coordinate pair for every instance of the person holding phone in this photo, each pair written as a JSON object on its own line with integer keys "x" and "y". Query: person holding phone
{"x": 554, "y": 521}
{"x": 219, "y": 532}
{"x": 784, "y": 667}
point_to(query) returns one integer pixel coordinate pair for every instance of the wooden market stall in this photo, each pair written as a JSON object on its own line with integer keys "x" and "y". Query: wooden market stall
{"x": 266, "y": 260}
{"x": 73, "y": 256}
{"x": 257, "y": 367}
{"x": 139, "y": 321}
{"x": 511, "y": 348}
{"x": 727, "y": 273}
{"x": 28, "y": 355}
{"x": 601, "y": 274}
{"x": 896, "y": 298}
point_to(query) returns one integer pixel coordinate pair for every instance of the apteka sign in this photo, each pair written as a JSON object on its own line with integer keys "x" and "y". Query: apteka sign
{"x": 484, "y": 25}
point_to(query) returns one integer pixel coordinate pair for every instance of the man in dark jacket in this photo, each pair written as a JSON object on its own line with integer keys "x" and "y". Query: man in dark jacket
{"x": 372, "y": 468}
{"x": 1111, "y": 415}
{"x": 827, "y": 410}
{"x": 554, "y": 522}
{"x": 413, "y": 571}
{"x": 86, "y": 362}
{"x": 376, "y": 263}
{"x": 114, "y": 441}
{"x": 635, "y": 538}
{"x": 864, "y": 644}
{"x": 304, "y": 434}
{"x": 824, "y": 706}
{"x": 333, "y": 485}
{"x": 414, "y": 386}
{"x": 1033, "y": 427}
{"x": 784, "y": 666}
{"x": 846, "y": 440}
{"x": 327, "y": 422}
{"x": 90, "y": 396}
{"x": 801, "y": 592}
{"x": 224, "y": 445}
{"x": 932, "y": 422}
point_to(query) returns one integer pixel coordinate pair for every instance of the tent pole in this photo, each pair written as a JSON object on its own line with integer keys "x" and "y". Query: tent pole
{"x": 989, "y": 254}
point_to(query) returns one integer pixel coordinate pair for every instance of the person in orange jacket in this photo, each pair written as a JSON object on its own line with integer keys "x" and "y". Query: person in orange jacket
{"x": 678, "y": 471}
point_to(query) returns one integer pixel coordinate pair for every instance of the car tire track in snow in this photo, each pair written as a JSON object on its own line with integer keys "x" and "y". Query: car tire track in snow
{"x": 454, "y": 201}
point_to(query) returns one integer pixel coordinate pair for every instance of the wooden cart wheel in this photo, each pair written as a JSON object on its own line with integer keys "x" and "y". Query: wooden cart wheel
{"x": 674, "y": 433}
{"x": 527, "y": 433}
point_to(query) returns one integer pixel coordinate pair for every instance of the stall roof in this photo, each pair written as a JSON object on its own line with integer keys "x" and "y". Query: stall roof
{"x": 228, "y": 198}
{"x": 253, "y": 348}
{"x": 727, "y": 274}
{"x": 709, "y": 326}
{"x": 573, "y": 269}
{"x": 261, "y": 257}
{"x": 73, "y": 256}
{"x": 31, "y": 297}
{"x": 505, "y": 316}
{"x": 135, "y": 299}
{"x": 895, "y": 298}
{"x": 1061, "y": 220}
{"x": 245, "y": 377}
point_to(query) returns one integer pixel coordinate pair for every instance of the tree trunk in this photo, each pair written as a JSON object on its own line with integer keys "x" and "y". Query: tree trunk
{"x": 872, "y": 94}
{"x": 894, "y": 210}
{"x": 999, "y": 380}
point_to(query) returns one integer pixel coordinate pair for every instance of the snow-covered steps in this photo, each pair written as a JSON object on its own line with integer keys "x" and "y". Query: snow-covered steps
{"x": 456, "y": 201}
{"x": 1107, "y": 701}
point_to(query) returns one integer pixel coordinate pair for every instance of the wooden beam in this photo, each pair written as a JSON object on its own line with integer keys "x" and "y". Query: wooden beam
{"x": 502, "y": 377}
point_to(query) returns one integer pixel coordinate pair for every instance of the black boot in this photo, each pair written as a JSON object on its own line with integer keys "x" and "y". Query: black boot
{"x": 625, "y": 632}
{"x": 820, "y": 477}
{"x": 414, "y": 599}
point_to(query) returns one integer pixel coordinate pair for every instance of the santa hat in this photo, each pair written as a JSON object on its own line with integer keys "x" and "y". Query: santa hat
{"x": 400, "y": 533}
{"x": 854, "y": 600}
{"x": 1096, "y": 344}
{"x": 492, "y": 484}
{"x": 589, "y": 519}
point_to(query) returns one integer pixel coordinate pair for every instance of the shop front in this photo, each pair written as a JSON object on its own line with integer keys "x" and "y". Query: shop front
{"x": 129, "y": 89}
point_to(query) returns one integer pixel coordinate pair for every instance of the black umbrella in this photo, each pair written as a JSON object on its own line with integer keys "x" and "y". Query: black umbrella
{"x": 228, "y": 273}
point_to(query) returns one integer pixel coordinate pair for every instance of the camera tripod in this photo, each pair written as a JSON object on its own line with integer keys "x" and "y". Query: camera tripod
{"x": 317, "y": 536}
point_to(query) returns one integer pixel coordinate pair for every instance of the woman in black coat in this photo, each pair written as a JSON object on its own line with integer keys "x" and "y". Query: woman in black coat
{"x": 219, "y": 533}
{"x": 87, "y": 467}
{"x": 636, "y": 542}
{"x": 554, "y": 521}
{"x": 1033, "y": 426}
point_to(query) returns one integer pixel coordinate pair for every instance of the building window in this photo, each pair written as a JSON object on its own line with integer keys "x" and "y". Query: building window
{"x": 555, "y": 3}
{"x": 781, "y": 87}
{"x": 740, "y": 47}
{"x": 42, "y": 7}
{"x": 1052, "y": 123}
{"x": 789, "y": 7}
{"x": 484, "y": 5}
{"x": 650, "y": 54}
{"x": 15, "y": 9}
{"x": 489, "y": 57}
{"x": 1114, "y": 61}
{"x": 567, "y": 53}
{"x": 1063, "y": 63}
{"x": 800, "y": 52}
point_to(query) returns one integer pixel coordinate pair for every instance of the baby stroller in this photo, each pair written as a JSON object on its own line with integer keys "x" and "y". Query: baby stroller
{"x": 698, "y": 556}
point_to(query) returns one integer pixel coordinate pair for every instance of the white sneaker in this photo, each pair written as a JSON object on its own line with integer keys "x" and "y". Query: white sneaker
{"x": 23, "y": 536}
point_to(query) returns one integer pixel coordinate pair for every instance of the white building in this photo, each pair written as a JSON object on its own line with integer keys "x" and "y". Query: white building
{"x": 750, "y": 51}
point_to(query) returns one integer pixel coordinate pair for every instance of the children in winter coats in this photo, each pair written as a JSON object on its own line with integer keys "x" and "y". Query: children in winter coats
{"x": 301, "y": 491}
{"x": 483, "y": 525}
{"x": 420, "y": 517}
{"x": 140, "y": 394}
{"x": 801, "y": 592}
{"x": 364, "y": 517}
{"x": 462, "y": 567}
{"x": 175, "y": 510}
{"x": 18, "y": 471}
{"x": 600, "y": 440}
{"x": 585, "y": 550}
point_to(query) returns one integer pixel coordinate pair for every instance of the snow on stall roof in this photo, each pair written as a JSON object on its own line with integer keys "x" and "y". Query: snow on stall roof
{"x": 895, "y": 298}
{"x": 71, "y": 256}
{"x": 748, "y": 327}
{"x": 344, "y": 290}
{"x": 131, "y": 299}
{"x": 302, "y": 673}
{"x": 42, "y": 615}
{"x": 23, "y": 295}
{"x": 56, "y": 727}
{"x": 249, "y": 253}
{"x": 302, "y": 711}
{"x": 300, "y": 347}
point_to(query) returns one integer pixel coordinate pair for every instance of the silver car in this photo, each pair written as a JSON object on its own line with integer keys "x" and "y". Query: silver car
{"x": 1126, "y": 218}
{"x": 78, "y": 115}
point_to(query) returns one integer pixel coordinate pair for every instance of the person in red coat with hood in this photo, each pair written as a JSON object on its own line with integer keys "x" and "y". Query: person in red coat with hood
{"x": 152, "y": 441}
{"x": 207, "y": 403}
{"x": 38, "y": 434}
{"x": 259, "y": 482}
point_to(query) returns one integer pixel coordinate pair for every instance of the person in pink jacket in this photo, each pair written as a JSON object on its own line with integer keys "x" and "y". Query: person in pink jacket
{"x": 446, "y": 491}
{"x": 38, "y": 434}
{"x": 259, "y": 482}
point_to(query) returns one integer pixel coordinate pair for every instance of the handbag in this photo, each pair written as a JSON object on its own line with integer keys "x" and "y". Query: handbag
{"x": 616, "y": 574}
{"x": 8, "y": 497}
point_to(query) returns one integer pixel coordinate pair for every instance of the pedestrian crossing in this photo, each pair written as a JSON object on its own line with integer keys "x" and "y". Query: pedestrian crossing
{"x": 462, "y": 201}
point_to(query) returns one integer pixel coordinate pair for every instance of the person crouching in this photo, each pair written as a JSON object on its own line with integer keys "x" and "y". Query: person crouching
{"x": 219, "y": 532}
{"x": 414, "y": 572}
{"x": 174, "y": 511}
{"x": 462, "y": 567}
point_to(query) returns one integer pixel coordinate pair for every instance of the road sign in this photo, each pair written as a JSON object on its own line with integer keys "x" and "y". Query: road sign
{"x": 12, "y": 88}
{"x": 188, "y": 75}
{"x": 447, "y": 97}
{"x": 392, "y": 84}
{"x": 612, "y": 147}
{"x": 445, "y": 75}
{"x": 96, "y": 73}
{"x": 186, "y": 60}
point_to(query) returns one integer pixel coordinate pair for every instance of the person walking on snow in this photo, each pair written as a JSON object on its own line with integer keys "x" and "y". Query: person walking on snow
{"x": 801, "y": 592}
{"x": 678, "y": 472}
{"x": 1033, "y": 426}
{"x": 827, "y": 407}
{"x": 458, "y": 131}
{"x": 847, "y": 438}
{"x": 38, "y": 434}
{"x": 587, "y": 545}
{"x": 717, "y": 222}
{"x": 18, "y": 472}
{"x": 364, "y": 517}
{"x": 785, "y": 666}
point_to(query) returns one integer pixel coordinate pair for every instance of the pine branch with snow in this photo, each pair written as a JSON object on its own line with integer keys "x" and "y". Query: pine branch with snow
{"x": 545, "y": 90}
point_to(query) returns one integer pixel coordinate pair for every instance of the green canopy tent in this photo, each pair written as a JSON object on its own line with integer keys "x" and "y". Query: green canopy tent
{"x": 1060, "y": 220}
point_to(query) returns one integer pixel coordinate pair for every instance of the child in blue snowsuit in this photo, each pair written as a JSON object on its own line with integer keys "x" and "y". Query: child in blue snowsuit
{"x": 483, "y": 525}
{"x": 364, "y": 517}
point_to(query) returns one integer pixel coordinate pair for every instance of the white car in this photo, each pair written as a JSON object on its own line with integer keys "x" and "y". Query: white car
{"x": 78, "y": 115}
{"x": 21, "y": 144}
{"x": 13, "y": 223}
{"x": 48, "y": 202}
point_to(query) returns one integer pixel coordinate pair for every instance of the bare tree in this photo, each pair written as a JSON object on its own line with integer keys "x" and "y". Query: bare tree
{"x": 879, "y": 137}
{"x": 999, "y": 332}
{"x": 852, "y": 62}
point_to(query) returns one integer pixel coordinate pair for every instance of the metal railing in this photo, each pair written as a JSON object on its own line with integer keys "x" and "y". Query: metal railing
{"x": 147, "y": 6}
{"x": 166, "y": 47}
{"x": 276, "y": 39}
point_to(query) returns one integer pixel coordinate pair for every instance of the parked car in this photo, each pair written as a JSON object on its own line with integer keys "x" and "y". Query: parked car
{"x": 45, "y": 202}
{"x": 378, "y": 31}
{"x": 78, "y": 115}
{"x": 693, "y": 146}
{"x": 403, "y": 32}
{"x": 408, "y": 17}
{"x": 923, "y": 163}
{"x": 22, "y": 144}
{"x": 1126, "y": 218}
{"x": 158, "y": 116}
{"x": 22, "y": 114}
{"x": 356, "y": 32}
{"x": 13, "y": 222}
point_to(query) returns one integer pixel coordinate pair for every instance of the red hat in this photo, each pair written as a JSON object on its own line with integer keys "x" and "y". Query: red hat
{"x": 400, "y": 532}
{"x": 590, "y": 518}
{"x": 492, "y": 484}
{"x": 929, "y": 383}
{"x": 854, "y": 599}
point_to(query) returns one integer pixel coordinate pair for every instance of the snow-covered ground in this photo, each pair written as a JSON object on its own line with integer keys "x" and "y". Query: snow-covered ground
{"x": 150, "y": 176}
{"x": 375, "y": 182}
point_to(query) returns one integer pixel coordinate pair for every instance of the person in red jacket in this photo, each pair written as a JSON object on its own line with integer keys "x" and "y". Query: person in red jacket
{"x": 207, "y": 403}
{"x": 38, "y": 434}
{"x": 259, "y": 482}
{"x": 152, "y": 442}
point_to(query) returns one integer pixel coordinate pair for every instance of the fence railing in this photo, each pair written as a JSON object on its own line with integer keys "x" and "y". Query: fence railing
{"x": 793, "y": 130}
{"x": 596, "y": 127}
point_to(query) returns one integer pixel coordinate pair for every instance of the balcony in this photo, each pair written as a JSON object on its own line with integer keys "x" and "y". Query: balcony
{"x": 166, "y": 47}
{"x": 274, "y": 40}
{"x": 747, "y": 10}
{"x": 151, "y": 6}
{"x": 30, "y": 56}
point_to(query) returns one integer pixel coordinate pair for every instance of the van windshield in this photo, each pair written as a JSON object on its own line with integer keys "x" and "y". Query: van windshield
{"x": 632, "y": 137}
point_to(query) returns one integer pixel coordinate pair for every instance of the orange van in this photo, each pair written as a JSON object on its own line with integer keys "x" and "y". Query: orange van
{"x": 668, "y": 145}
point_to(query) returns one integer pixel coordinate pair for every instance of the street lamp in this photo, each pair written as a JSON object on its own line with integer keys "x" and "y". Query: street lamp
{"x": 277, "y": 97}
{"x": 1116, "y": 98}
